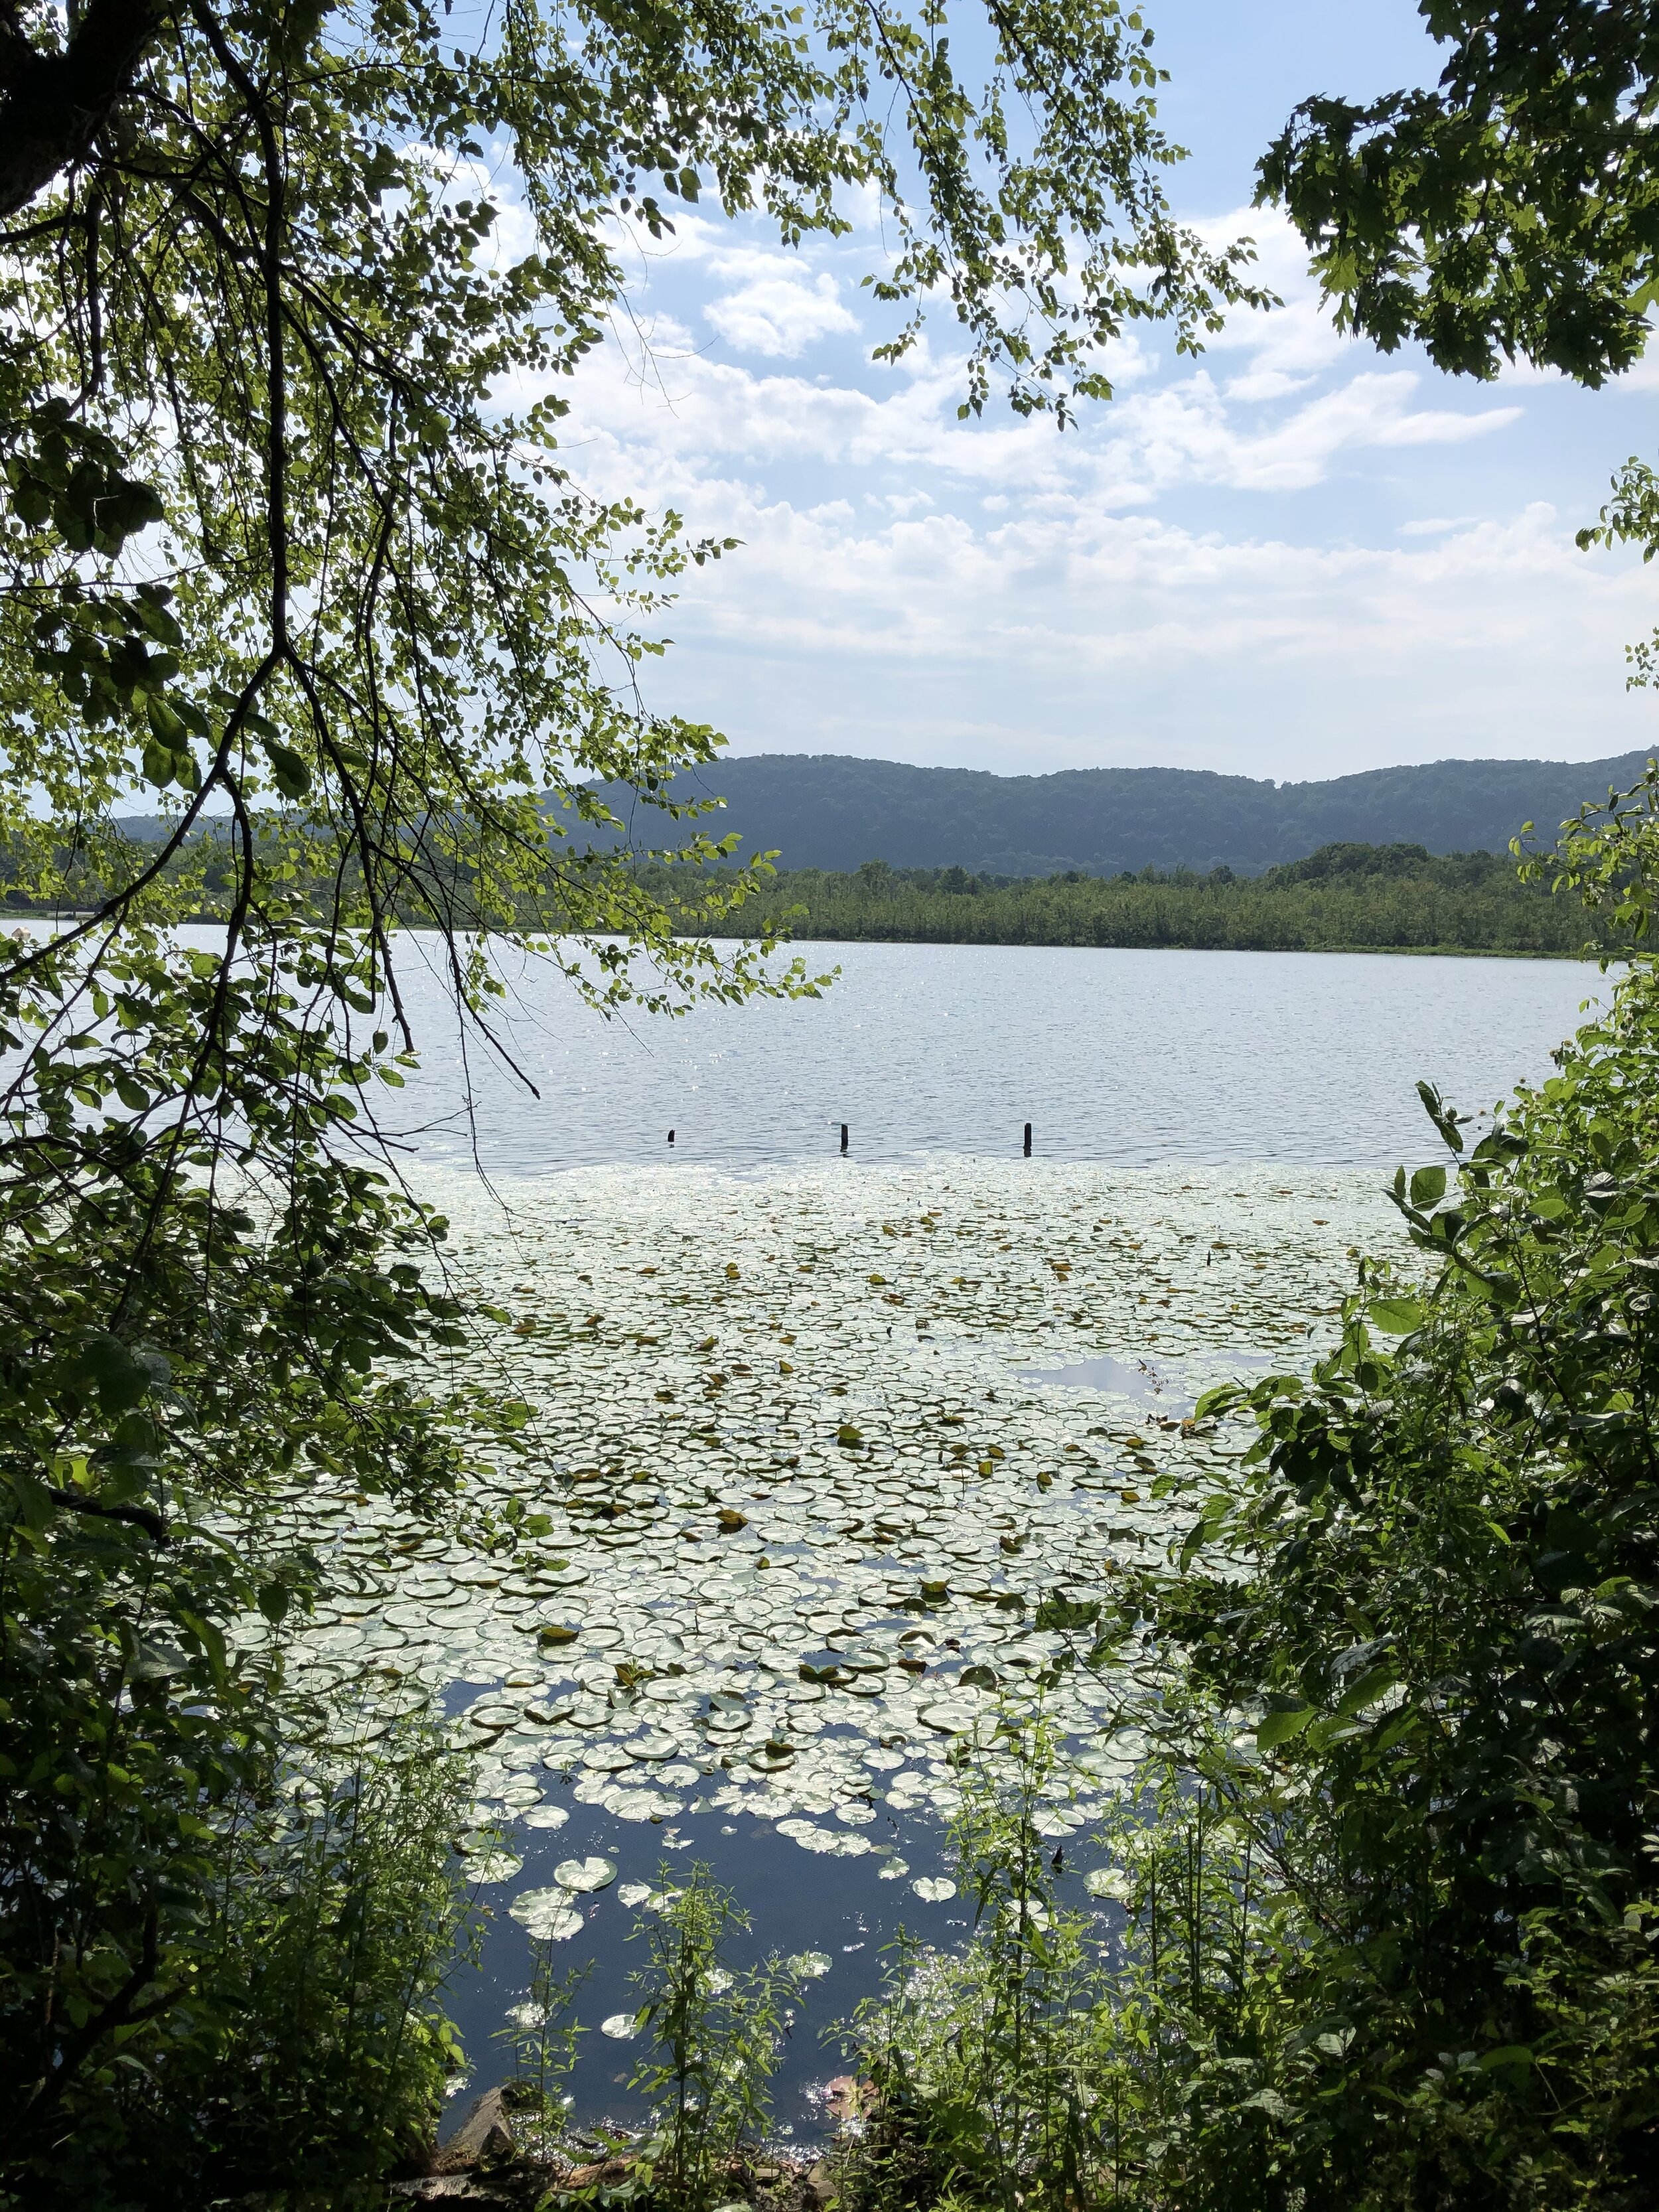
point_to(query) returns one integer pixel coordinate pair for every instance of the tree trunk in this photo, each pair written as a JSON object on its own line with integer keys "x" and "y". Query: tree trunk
{"x": 52, "y": 104}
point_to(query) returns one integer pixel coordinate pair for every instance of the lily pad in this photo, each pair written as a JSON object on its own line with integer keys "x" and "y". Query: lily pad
{"x": 1107, "y": 1882}
{"x": 585, "y": 1875}
{"x": 934, "y": 1888}
{"x": 492, "y": 1867}
{"x": 635, "y": 1804}
{"x": 951, "y": 1715}
{"x": 962, "y": 1497}
{"x": 548, "y": 1914}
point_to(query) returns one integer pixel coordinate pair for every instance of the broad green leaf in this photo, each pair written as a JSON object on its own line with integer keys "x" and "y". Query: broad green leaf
{"x": 1277, "y": 1727}
{"x": 1395, "y": 1316}
{"x": 1428, "y": 1188}
{"x": 1373, "y": 1684}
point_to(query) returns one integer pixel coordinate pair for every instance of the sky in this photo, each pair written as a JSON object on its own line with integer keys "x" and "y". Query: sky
{"x": 1293, "y": 557}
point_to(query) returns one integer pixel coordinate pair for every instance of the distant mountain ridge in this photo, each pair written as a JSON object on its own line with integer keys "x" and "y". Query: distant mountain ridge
{"x": 830, "y": 811}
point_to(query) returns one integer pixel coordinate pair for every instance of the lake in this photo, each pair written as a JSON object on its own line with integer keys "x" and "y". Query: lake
{"x": 1128, "y": 1056}
{"x": 861, "y": 1416}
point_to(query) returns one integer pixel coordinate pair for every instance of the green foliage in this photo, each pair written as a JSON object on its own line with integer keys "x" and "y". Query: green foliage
{"x": 1509, "y": 212}
{"x": 1432, "y": 1595}
{"x": 713, "y": 2038}
{"x": 983, "y": 2064}
{"x": 1053, "y": 2062}
{"x": 202, "y": 1304}
{"x": 304, "y": 2044}
{"x": 338, "y": 1911}
{"x": 545, "y": 2041}
{"x": 1342, "y": 898}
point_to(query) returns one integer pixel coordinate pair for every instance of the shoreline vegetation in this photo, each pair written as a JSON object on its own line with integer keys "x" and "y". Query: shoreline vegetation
{"x": 1343, "y": 898}
{"x": 1397, "y": 898}
{"x": 290, "y": 532}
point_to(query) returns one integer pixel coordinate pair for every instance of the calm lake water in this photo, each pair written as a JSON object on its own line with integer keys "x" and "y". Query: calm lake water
{"x": 1135, "y": 1057}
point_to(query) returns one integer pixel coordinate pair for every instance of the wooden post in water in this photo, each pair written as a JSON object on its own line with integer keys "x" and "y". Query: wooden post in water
{"x": 1028, "y": 1140}
{"x": 671, "y": 1136}
{"x": 843, "y": 1136}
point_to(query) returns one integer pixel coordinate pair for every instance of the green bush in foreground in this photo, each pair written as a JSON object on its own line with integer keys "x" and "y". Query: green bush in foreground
{"x": 305, "y": 2046}
{"x": 1433, "y": 1599}
{"x": 714, "y": 2034}
{"x": 985, "y": 2066}
{"x": 711, "y": 2035}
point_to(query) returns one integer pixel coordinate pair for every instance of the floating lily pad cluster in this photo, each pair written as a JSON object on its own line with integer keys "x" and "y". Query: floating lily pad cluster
{"x": 802, "y": 1524}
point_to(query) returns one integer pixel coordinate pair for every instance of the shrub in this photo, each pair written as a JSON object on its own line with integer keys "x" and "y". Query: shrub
{"x": 306, "y": 2047}
{"x": 714, "y": 2035}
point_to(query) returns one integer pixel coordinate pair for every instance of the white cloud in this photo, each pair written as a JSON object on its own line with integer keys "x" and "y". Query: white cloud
{"x": 780, "y": 315}
{"x": 1194, "y": 433}
{"x": 1069, "y": 635}
{"x": 1184, "y": 577}
{"x": 1190, "y": 434}
{"x": 1257, "y": 385}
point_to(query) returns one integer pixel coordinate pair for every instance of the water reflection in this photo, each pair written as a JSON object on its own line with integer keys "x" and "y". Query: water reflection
{"x": 1171, "y": 1385}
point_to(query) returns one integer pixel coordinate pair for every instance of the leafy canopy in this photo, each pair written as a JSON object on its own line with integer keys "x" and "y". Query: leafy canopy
{"x": 1510, "y": 212}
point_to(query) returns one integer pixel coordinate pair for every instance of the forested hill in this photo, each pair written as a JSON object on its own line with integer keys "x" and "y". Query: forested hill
{"x": 826, "y": 810}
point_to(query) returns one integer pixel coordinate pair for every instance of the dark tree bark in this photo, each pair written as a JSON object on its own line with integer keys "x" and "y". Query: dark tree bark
{"x": 51, "y": 104}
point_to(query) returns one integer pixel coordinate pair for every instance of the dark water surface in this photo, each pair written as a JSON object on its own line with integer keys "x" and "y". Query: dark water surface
{"x": 1133, "y": 1057}
{"x": 795, "y": 1904}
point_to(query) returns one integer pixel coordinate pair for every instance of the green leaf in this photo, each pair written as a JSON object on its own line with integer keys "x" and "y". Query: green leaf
{"x": 1201, "y": 1531}
{"x": 1221, "y": 1399}
{"x": 1371, "y": 1686}
{"x": 1271, "y": 2103}
{"x": 1508, "y": 2057}
{"x": 1395, "y": 1316}
{"x": 1428, "y": 1188}
{"x": 1443, "y": 1117}
{"x": 160, "y": 764}
{"x": 1275, "y": 1729}
{"x": 107, "y": 1367}
{"x": 1066, "y": 1614}
{"x": 289, "y": 771}
{"x": 155, "y": 1662}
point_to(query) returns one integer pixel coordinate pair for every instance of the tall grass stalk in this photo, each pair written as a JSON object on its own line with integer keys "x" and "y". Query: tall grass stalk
{"x": 983, "y": 2061}
{"x": 715, "y": 2033}
{"x": 545, "y": 2042}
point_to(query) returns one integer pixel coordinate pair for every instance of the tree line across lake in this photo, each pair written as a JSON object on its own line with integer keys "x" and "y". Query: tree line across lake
{"x": 1342, "y": 898}
{"x": 1346, "y": 897}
